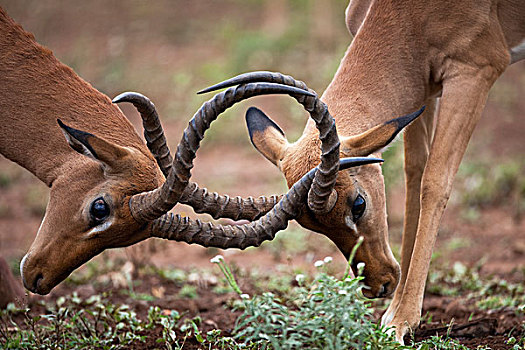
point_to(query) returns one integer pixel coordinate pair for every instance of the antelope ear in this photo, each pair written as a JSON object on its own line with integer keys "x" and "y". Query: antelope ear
{"x": 266, "y": 135}
{"x": 378, "y": 137}
{"x": 92, "y": 146}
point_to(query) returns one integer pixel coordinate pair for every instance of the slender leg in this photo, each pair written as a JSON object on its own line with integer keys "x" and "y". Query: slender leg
{"x": 465, "y": 92}
{"x": 417, "y": 139}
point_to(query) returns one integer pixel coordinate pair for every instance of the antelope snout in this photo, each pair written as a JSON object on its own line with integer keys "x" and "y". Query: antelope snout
{"x": 33, "y": 278}
{"x": 381, "y": 283}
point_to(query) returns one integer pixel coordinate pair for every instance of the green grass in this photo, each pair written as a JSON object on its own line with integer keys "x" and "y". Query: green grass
{"x": 489, "y": 293}
{"x": 442, "y": 343}
{"x": 330, "y": 314}
{"x": 393, "y": 165}
{"x": 188, "y": 291}
{"x": 72, "y": 322}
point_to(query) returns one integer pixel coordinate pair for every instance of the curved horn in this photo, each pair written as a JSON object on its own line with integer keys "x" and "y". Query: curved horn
{"x": 153, "y": 131}
{"x": 322, "y": 196}
{"x": 175, "y": 227}
{"x": 202, "y": 201}
{"x": 252, "y": 77}
{"x": 150, "y": 205}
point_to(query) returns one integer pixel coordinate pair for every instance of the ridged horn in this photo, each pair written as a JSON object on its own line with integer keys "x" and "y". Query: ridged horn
{"x": 174, "y": 227}
{"x": 153, "y": 131}
{"x": 322, "y": 196}
{"x": 148, "y": 206}
{"x": 202, "y": 201}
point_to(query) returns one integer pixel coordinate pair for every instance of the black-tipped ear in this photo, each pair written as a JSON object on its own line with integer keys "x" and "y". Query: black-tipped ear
{"x": 378, "y": 137}
{"x": 266, "y": 135}
{"x": 78, "y": 140}
{"x": 403, "y": 121}
{"x": 92, "y": 146}
{"x": 257, "y": 121}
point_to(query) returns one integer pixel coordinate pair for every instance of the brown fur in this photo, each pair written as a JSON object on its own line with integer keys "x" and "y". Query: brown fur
{"x": 35, "y": 90}
{"x": 406, "y": 54}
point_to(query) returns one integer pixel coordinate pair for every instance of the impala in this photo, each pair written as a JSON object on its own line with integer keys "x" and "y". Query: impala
{"x": 405, "y": 54}
{"x": 106, "y": 187}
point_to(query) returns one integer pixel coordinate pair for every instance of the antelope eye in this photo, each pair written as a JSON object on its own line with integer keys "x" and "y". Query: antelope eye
{"x": 358, "y": 208}
{"x": 99, "y": 210}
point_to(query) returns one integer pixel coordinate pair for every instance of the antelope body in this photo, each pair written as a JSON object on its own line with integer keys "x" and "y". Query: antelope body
{"x": 405, "y": 54}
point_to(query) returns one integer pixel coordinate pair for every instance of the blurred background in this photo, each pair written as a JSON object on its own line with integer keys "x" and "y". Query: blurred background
{"x": 168, "y": 50}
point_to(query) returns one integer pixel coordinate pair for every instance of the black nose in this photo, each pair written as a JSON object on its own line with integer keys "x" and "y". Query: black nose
{"x": 36, "y": 282}
{"x": 383, "y": 291}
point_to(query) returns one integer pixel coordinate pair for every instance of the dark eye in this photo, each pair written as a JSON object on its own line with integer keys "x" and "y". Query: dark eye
{"x": 358, "y": 208}
{"x": 99, "y": 210}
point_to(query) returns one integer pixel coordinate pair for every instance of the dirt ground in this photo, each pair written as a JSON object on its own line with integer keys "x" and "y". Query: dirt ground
{"x": 496, "y": 237}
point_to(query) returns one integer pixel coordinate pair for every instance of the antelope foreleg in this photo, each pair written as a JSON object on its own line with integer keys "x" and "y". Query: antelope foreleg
{"x": 417, "y": 140}
{"x": 464, "y": 96}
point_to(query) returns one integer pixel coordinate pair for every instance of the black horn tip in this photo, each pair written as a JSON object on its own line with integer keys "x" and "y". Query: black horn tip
{"x": 245, "y": 78}
{"x": 276, "y": 88}
{"x": 240, "y": 79}
{"x": 417, "y": 113}
{"x": 128, "y": 96}
{"x": 350, "y": 162}
{"x": 234, "y": 82}
{"x": 210, "y": 89}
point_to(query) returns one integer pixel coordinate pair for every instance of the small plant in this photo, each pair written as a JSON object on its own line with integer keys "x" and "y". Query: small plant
{"x": 442, "y": 343}
{"x": 492, "y": 293}
{"x": 331, "y": 314}
{"x": 227, "y": 272}
{"x": 74, "y": 323}
{"x": 188, "y": 291}
{"x": 71, "y": 323}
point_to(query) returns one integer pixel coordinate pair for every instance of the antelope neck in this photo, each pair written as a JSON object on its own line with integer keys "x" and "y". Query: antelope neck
{"x": 35, "y": 90}
{"x": 372, "y": 85}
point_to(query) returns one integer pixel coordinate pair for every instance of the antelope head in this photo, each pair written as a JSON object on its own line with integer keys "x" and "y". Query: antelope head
{"x": 88, "y": 209}
{"x": 356, "y": 205}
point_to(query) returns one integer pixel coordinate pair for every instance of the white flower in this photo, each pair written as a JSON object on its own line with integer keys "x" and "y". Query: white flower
{"x": 319, "y": 263}
{"x": 328, "y": 260}
{"x": 217, "y": 259}
{"x": 360, "y": 267}
{"x": 343, "y": 292}
{"x": 299, "y": 278}
{"x": 245, "y": 296}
